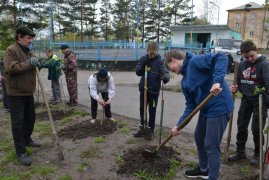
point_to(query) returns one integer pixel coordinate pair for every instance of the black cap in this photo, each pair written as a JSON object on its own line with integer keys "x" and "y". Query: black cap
{"x": 64, "y": 46}
{"x": 102, "y": 73}
{"x": 23, "y": 30}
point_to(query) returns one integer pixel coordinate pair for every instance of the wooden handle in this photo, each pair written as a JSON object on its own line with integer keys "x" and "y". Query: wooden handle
{"x": 145, "y": 96}
{"x": 187, "y": 120}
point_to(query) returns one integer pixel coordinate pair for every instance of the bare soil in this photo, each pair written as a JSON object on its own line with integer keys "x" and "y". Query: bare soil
{"x": 107, "y": 151}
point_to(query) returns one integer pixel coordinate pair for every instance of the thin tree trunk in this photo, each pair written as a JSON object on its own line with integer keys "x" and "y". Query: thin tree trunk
{"x": 81, "y": 25}
{"x": 15, "y": 14}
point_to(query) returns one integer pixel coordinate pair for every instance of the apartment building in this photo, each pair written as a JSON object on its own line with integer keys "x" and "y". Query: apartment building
{"x": 250, "y": 21}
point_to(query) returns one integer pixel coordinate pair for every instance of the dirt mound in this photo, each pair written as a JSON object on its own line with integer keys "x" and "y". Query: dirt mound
{"x": 56, "y": 115}
{"x": 158, "y": 165}
{"x": 86, "y": 128}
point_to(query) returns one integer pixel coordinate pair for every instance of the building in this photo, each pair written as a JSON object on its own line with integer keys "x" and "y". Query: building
{"x": 204, "y": 36}
{"x": 250, "y": 21}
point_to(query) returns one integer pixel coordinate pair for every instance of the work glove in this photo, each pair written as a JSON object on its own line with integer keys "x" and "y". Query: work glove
{"x": 165, "y": 78}
{"x": 34, "y": 61}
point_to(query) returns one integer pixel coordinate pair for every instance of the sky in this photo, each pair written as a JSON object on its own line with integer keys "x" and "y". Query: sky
{"x": 224, "y": 6}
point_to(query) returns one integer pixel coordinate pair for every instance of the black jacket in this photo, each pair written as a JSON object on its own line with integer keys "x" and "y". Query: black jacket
{"x": 252, "y": 75}
{"x": 156, "y": 73}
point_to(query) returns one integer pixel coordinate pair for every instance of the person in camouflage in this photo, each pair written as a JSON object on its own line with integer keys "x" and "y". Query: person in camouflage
{"x": 70, "y": 71}
{"x": 53, "y": 63}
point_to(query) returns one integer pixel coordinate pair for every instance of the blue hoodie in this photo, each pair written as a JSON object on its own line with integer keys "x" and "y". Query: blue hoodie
{"x": 199, "y": 73}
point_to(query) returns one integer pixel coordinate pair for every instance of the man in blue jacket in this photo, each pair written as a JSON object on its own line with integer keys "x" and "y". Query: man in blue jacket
{"x": 156, "y": 72}
{"x": 203, "y": 74}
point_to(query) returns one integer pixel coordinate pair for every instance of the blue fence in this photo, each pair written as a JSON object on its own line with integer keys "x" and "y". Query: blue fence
{"x": 113, "y": 50}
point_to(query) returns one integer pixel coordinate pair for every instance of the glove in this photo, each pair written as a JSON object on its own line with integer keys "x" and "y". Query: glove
{"x": 165, "y": 79}
{"x": 34, "y": 61}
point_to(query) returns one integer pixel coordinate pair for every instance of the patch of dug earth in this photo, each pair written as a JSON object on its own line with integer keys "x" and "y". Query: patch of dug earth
{"x": 56, "y": 114}
{"x": 86, "y": 128}
{"x": 157, "y": 165}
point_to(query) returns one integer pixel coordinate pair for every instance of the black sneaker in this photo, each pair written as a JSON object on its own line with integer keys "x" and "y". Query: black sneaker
{"x": 139, "y": 133}
{"x": 33, "y": 144}
{"x": 255, "y": 159}
{"x": 196, "y": 173}
{"x": 25, "y": 160}
{"x": 237, "y": 156}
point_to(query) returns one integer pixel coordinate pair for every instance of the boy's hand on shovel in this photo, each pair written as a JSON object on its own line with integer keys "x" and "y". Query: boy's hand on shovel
{"x": 215, "y": 89}
{"x": 101, "y": 102}
{"x": 174, "y": 131}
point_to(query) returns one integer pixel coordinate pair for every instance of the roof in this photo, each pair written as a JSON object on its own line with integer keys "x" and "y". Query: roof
{"x": 199, "y": 27}
{"x": 250, "y": 5}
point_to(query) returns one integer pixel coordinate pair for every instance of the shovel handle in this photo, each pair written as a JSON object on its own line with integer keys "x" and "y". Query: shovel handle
{"x": 187, "y": 120}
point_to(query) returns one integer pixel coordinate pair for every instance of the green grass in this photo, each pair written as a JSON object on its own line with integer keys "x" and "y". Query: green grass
{"x": 245, "y": 170}
{"x": 124, "y": 130}
{"x": 119, "y": 160}
{"x": 82, "y": 167}
{"x": 133, "y": 140}
{"x": 43, "y": 128}
{"x": 91, "y": 152}
{"x": 65, "y": 177}
{"x": 99, "y": 139}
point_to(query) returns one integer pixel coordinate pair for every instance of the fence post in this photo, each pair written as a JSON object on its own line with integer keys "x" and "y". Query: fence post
{"x": 99, "y": 57}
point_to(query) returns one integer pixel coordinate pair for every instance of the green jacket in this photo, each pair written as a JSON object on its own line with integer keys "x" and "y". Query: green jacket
{"x": 54, "y": 66}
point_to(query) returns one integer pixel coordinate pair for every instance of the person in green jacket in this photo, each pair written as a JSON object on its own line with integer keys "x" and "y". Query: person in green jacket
{"x": 53, "y": 63}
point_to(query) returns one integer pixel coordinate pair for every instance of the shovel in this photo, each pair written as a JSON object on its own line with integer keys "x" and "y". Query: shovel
{"x": 147, "y": 132}
{"x": 147, "y": 153}
{"x": 61, "y": 153}
{"x": 161, "y": 119}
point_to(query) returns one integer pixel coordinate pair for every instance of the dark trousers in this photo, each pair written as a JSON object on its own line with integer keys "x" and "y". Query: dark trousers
{"x": 4, "y": 93}
{"x": 94, "y": 105}
{"x": 246, "y": 110}
{"x": 208, "y": 135}
{"x": 22, "y": 112}
{"x": 152, "y": 102}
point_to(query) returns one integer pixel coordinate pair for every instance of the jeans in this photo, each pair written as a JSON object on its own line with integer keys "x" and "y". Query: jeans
{"x": 22, "y": 112}
{"x": 56, "y": 91}
{"x": 94, "y": 106}
{"x": 208, "y": 135}
{"x": 152, "y": 102}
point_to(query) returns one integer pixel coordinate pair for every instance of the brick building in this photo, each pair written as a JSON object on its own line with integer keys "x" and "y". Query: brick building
{"x": 250, "y": 21}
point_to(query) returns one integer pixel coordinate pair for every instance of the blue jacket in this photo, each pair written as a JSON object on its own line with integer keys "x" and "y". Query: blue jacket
{"x": 157, "y": 72}
{"x": 200, "y": 72}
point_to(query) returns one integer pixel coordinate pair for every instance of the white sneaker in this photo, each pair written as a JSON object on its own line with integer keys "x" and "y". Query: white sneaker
{"x": 93, "y": 121}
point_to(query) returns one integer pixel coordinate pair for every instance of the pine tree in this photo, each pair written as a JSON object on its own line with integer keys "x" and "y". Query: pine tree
{"x": 105, "y": 21}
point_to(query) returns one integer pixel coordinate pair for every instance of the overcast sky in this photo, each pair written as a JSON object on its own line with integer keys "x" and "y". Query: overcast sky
{"x": 224, "y": 6}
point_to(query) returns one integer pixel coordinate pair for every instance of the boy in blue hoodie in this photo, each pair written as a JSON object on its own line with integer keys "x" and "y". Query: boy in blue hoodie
{"x": 203, "y": 74}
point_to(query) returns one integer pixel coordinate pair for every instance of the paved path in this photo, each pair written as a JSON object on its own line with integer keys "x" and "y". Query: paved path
{"x": 126, "y": 101}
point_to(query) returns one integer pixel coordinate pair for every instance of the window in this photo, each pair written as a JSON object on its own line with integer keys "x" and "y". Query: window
{"x": 238, "y": 16}
{"x": 252, "y": 24}
{"x": 252, "y": 15}
{"x": 251, "y": 33}
{"x": 237, "y": 25}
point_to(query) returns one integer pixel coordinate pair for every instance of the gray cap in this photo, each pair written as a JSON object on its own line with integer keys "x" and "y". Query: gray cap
{"x": 23, "y": 30}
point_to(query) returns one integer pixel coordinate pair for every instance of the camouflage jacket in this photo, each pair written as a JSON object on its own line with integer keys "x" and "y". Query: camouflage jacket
{"x": 70, "y": 62}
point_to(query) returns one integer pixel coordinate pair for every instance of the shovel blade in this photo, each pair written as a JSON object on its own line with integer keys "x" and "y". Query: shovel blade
{"x": 149, "y": 154}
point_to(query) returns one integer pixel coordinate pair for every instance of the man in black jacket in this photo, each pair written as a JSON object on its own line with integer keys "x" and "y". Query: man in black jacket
{"x": 253, "y": 72}
{"x": 156, "y": 72}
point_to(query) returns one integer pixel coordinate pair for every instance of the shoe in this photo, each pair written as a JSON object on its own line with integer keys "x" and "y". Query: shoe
{"x": 93, "y": 121}
{"x": 25, "y": 160}
{"x": 6, "y": 110}
{"x": 237, "y": 156}
{"x": 195, "y": 173}
{"x": 255, "y": 159}
{"x": 52, "y": 100}
{"x": 112, "y": 119}
{"x": 33, "y": 144}
{"x": 139, "y": 133}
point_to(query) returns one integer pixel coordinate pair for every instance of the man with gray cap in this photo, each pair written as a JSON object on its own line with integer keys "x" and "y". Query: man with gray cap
{"x": 70, "y": 71}
{"x": 20, "y": 64}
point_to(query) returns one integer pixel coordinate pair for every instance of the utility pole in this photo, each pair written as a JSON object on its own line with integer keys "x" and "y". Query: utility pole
{"x": 51, "y": 24}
